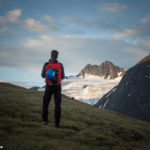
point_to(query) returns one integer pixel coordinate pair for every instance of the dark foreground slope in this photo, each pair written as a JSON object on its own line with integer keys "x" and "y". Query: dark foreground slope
{"x": 132, "y": 95}
{"x": 83, "y": 127}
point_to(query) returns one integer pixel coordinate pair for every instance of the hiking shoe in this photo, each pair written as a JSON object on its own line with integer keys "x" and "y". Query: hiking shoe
{"x": 45, "y": 123}
{"x": 57, "y": 125}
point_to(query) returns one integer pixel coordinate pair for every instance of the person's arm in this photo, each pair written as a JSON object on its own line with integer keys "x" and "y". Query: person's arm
{"x": 43, "y": 71}
{"x": 62, "y": 72}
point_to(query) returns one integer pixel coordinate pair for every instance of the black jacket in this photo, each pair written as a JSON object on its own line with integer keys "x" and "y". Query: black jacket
{"x": 55, "y": 61}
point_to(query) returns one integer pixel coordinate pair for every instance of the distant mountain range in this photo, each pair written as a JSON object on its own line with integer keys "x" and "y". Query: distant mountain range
{"x": 106, "y": 70}
{"x": 132, "y": 95}
{"x": 36, "y": 88}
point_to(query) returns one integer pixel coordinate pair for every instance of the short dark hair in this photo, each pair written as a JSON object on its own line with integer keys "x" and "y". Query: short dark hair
{"x": 54, "y": 54}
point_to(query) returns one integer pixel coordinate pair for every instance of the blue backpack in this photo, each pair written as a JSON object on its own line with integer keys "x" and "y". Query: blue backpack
{"x": 51, "y": 75}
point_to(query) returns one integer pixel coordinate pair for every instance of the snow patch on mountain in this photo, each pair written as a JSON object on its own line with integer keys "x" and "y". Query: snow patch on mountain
{"x": 89, "y": 89}
{"x": 94, "y": 77}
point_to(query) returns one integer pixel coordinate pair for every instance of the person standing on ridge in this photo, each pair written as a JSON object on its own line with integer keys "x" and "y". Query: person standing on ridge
{"x": 53, "y": 72}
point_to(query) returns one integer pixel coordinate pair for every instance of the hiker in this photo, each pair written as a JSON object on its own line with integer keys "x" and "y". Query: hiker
{"x": 53, "y": 72}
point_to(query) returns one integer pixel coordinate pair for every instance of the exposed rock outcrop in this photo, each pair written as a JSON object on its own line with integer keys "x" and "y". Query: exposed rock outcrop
{"x": 107, "y": 70}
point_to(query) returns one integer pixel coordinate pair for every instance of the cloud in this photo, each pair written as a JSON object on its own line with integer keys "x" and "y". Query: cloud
{"x": 137, "y": 32}
{"x": 3, "y": 29}
{"x": 11, "y": 18}
{"x": 29, "y": 24}
{"x": 145, "y": 43}
{"x": 112, "y": 7}
{"x": 2, "y": 20}
{"x": 84, "y": 23}
{"x": 75, "y": 52}
{"x": 145, "y": 19}
{"x": 48, "y": 18}
{"x": 13, "y": 15}
{"x": 33, "y": 25}
{"x": 125, "y": 34}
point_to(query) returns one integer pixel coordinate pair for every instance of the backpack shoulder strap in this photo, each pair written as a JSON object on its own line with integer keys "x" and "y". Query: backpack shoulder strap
{"x": 50, "y": 65}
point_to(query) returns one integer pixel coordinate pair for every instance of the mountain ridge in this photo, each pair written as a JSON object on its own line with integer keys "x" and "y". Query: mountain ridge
{"x": 106, "y": 70}
{"x": 131, "y": 96}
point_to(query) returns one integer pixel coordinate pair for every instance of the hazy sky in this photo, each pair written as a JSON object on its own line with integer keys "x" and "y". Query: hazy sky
{"x": 83, "y": 31}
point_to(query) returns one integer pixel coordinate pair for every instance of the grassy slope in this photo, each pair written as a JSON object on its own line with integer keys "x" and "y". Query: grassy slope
{"x": 83, "y": 127}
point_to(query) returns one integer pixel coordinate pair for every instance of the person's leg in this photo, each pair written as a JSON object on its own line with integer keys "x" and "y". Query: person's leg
{"x": 46, "y": 99}
{"x": 57, "y": 98}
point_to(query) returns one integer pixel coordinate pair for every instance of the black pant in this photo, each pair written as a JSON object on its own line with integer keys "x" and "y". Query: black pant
{"x": 49, "y": 90}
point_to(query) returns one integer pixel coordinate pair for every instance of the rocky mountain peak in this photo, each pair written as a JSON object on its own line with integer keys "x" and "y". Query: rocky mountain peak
{"x": 107, "y": 70}
{"x": 107, "y": 63}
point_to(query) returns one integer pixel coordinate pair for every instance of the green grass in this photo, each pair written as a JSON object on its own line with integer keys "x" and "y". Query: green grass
{"x": 83, "y": 127}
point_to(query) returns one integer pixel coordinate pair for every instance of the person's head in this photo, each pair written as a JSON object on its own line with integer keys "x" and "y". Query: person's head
{"x": 54, "y": 54}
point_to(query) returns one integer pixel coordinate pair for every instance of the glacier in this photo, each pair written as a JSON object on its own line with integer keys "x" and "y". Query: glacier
{"x": 89, "y": 89}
